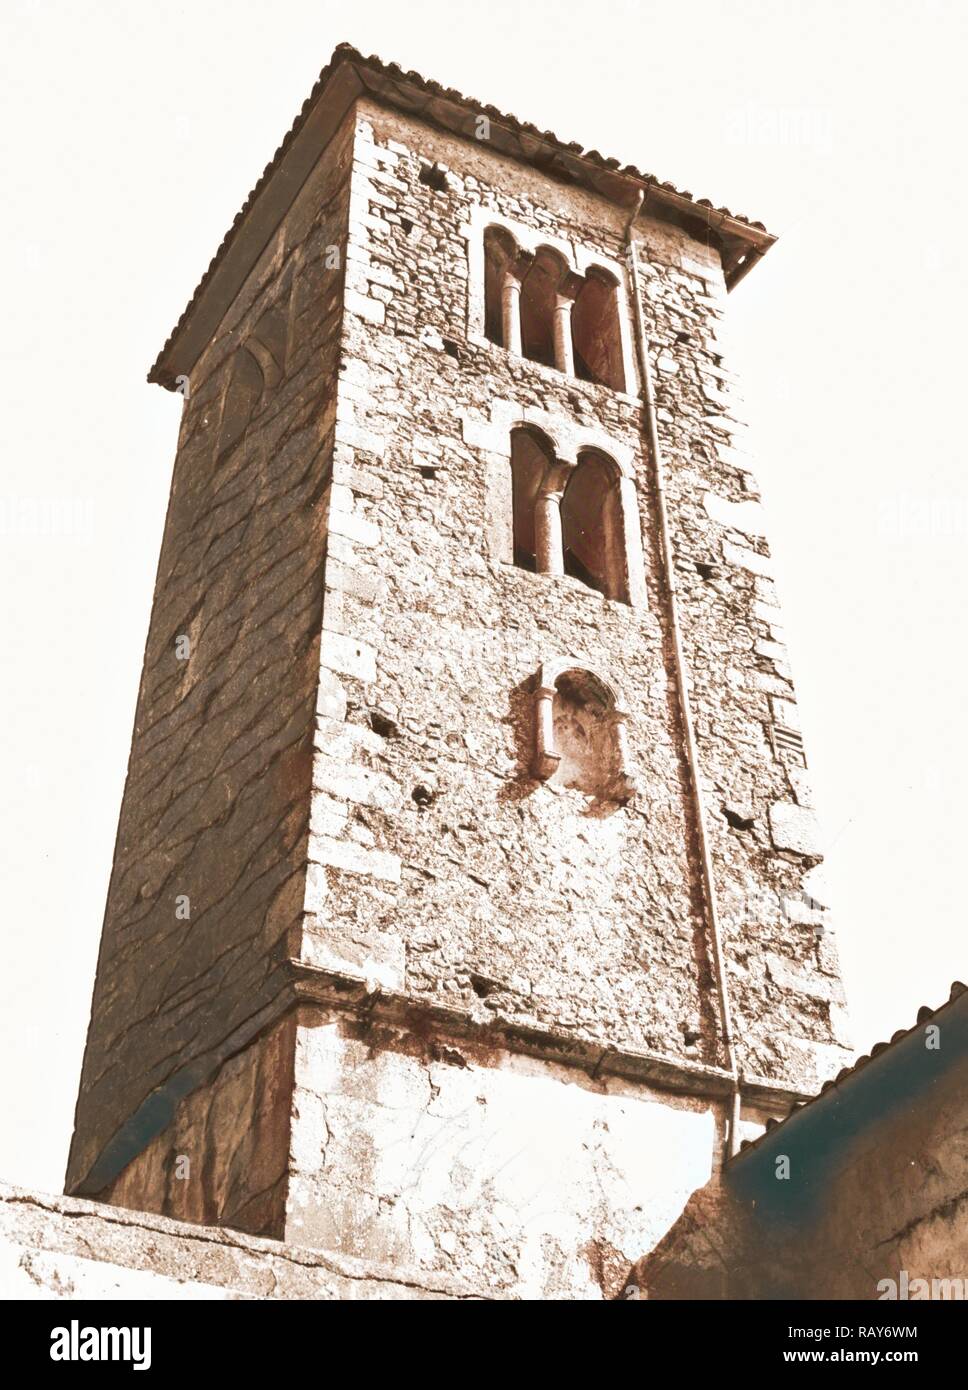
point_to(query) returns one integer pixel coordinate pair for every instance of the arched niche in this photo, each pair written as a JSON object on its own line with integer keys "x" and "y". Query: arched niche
{"x": 532, "y": 465}
{"x": 242, "y": 396}
{"x": 581, "y": 736}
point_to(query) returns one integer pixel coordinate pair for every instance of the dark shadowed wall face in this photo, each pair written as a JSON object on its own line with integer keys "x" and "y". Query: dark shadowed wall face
{"x": 209, "y": 871}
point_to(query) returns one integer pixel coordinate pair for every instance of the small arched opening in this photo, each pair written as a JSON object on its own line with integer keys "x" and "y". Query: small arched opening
{"x": 581, "y": 736}
{"x": 592, "y": 531}
{"x": 596, "y": 333}
{"x": 532, "y": 459}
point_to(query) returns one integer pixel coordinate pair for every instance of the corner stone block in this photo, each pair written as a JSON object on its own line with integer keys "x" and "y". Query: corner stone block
{"x": 363, "y": 307}
{"x": 795, "y": 828}
{"x": 375, "y": 957}
{"x": 354, "y": 858}
{"x": 330, "y": 697}
{"x": 361, "y": 785}
{"x": 750, "y": 560}
{"x": 317, "y": 888}
{"x": 736, "y": 516}
{"x": 353, "y": 528}
{"x": 347, "y": 656}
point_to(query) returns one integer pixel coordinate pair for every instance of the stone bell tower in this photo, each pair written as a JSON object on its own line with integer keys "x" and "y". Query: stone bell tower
{"x": 464, "y": 908}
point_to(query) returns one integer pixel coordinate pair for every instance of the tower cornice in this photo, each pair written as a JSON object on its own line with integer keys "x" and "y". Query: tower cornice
{"x": 348, "y": 76}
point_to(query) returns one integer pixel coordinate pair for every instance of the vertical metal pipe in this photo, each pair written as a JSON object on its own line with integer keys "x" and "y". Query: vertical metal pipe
{"x": 682, "y": 675}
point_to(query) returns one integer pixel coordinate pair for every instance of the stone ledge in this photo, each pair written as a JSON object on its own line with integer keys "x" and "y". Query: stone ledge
{"x": 67, "y": 1247}
{"x": 336, "y": 989}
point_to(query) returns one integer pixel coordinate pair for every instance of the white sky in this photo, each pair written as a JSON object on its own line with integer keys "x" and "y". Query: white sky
{"x": 131, "y": 133}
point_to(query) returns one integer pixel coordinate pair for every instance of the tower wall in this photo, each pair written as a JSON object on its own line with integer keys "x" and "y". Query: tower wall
{"x": 522, "y": 917}
{"x": 477, "y": 884}
{"x": 216, "y": 802}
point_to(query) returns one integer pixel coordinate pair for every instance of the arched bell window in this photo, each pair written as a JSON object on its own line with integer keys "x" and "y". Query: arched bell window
{"x": 592, "y": 534}
{"x": 540, "y": 295}
{"x": 596, "y": 332}
{"x": 536, "y": 482}
{"x": 567, "y": 519}
{"x": 537, "y": 306}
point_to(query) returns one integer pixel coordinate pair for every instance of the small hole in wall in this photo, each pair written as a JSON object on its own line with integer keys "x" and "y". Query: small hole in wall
{"x": 423, "y": 795}
{"x": 434, "y": 177}
{"x": 428, "y": 471}
{"x": 706, "y": 570}
{"x": 683, "y": 337}
{"x": 451, "y": 349}
{"x": 407, "y": 225}
{"x": 737, "y": 820}
{"x": 383, "y": 725}
{"x": 483, "y": 986}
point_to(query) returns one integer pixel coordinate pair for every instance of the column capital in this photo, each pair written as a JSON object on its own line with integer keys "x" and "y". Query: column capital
{"x": 568, "y": 288}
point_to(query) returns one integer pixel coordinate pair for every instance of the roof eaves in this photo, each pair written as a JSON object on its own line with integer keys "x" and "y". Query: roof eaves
{"x": 450, "y": 110}
{"x": 924, "y": 1015}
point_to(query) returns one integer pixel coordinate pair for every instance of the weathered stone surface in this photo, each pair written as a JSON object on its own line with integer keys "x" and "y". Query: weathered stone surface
{"x": 63, "y": 1247}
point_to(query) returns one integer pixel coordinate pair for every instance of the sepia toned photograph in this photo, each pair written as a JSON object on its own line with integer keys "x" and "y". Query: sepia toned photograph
{"x": 483, "y": 722}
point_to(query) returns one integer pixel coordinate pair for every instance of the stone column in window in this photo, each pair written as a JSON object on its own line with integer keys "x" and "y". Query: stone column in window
{"x": 565, "y": 298}
{"x": 624, "y": 783}
{"x": 546, "y": 760}
{"x": 511, "y": 301}
{"x": 548, "y": 549}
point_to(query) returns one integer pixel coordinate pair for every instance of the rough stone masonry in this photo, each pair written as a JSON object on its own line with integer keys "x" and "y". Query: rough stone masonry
{"x": 409, "y": 953}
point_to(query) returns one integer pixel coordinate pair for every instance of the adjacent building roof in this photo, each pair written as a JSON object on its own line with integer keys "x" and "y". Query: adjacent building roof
{"x": 925, "y": 1015}
{"x": 349, "y": 75}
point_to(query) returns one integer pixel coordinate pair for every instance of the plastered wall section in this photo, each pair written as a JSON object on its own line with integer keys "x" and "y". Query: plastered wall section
{"x": 531, "y": 1179}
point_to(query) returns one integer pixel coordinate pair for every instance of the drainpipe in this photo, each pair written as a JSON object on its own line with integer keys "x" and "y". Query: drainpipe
{"x": 651, "y": 432}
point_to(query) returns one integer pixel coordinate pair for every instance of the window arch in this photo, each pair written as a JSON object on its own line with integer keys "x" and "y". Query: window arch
{"x": 242, "y": 395}
{"x": 596, "y": 331}
{"x": 581, "y": 738}
{"x": 501, "y": 254}
{"x": 533, "y": 467}
{"x": 592, "y": 531}
{"x": 539, "y": 305}
{"x": 256, "y": 367}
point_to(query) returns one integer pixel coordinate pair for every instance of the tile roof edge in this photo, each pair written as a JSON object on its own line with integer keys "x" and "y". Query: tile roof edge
{"x": 924, "y": 1015}
{"x": 740, "y": 227}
